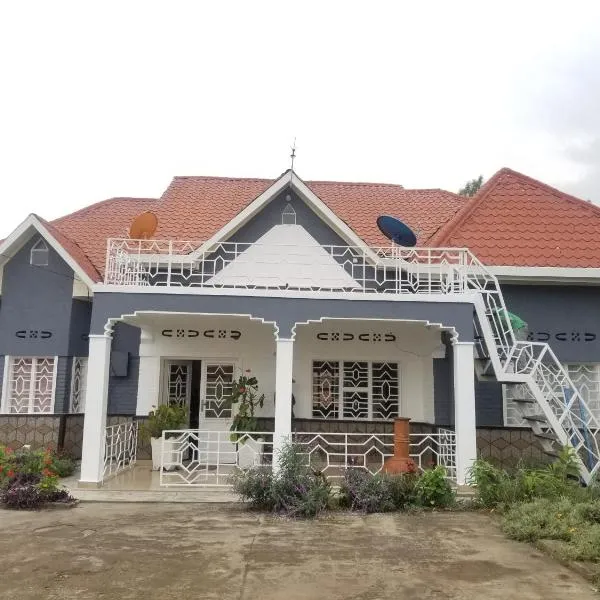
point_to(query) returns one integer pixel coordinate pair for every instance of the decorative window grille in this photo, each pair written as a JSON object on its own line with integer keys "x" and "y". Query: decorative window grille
{"x": 179, "y": 382}
{"x": 288, "y": 216}
{"x": 218, "y": 388}
{"x": 31, "y": 382}
{"x": 356, "y": 390}
{"x": 78, "y": 384}
{"x": 585, "y": 377}
{"x": 38, "y": 257}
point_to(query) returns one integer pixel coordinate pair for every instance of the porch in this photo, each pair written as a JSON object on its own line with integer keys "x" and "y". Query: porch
{"x": 342, "y": 381}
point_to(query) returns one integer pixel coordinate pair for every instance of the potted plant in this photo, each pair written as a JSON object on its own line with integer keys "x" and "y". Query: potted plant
{"x": 245, "y": 395}
{"x": 162, "y": 418}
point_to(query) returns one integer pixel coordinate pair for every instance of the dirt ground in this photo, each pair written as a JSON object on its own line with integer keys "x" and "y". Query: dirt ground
{"x": 199, "y": 551}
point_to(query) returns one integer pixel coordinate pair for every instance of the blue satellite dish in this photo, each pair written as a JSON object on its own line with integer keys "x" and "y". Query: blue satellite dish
{"x": 396, "y": 231}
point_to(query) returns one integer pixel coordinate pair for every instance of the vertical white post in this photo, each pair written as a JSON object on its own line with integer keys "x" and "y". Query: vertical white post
{"x": 96, "y": 401}
{"x": 464, "y": 408}
{"x": 284, "y": 359}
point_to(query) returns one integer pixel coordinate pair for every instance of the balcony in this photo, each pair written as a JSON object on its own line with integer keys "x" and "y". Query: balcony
{"x": 292, "y": 267}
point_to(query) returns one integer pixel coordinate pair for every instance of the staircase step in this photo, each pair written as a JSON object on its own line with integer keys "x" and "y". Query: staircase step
{"x": 538, "y": 418}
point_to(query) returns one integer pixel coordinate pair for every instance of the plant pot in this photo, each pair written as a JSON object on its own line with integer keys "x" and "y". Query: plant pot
{"x": 170, "y": 455}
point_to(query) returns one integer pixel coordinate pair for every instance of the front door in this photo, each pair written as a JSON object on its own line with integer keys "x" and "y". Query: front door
{"x": 178, "y": 383}
{"x": 216, "y": 411}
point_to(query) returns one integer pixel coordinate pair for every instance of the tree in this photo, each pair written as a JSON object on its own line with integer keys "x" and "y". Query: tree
{"x": 471, "y": 187}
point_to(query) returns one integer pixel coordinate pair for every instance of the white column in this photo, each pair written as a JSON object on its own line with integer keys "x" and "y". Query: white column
{"x": 464, "y": 408}
{"x": 149, "y": 375}
{"x": 284, "y": 359}
{"x": 96, "y": 401}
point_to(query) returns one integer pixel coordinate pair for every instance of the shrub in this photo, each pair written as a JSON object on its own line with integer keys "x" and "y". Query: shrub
{"x": 26, "y": 497}
{"x": 497, "y": 487}
{"x": 28, "y": 478}
{"x": 294, "y": 490}
{"x": 164, "y": 417}
{"x": 63, "y": 465}
{"x": 434, "y": 490}
{"x": 381, "y": 492}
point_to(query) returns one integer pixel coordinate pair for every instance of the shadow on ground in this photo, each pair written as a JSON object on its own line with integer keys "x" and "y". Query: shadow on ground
{"x": 199, "y": 551}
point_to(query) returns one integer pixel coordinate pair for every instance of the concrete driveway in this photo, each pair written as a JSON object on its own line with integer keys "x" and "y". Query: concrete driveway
{"x": 199, "y": 551}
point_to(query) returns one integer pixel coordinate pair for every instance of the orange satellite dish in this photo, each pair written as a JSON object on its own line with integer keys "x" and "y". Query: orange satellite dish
{"x": 143, "y": 226}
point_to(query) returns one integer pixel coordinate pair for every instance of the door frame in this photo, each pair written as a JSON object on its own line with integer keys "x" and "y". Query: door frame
{"x": 163, "y": 391}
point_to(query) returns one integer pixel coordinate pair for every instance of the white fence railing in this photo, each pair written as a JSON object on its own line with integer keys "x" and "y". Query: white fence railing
{"x": 120, "y": 447}
{"x": 231, "y": 265}
{"x": 201, "y": 458}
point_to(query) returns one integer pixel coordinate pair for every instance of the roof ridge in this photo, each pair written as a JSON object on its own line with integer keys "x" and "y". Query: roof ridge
{"x": 87, "y": 209}
{"x": 369, "y": 183}
{"x": 223, "y": 178}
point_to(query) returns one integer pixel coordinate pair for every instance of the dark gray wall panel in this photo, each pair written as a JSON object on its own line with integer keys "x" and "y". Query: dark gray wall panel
{"x": 63, "y": 384}
{"x": 122, "y": 391}
{"x": 270, "y": 216}
{"x": 566, "y": 317}
{"x": 443, "y": 390}
{"x": 36, "y": 299}
{"x": 81, "y": 317}
{"x": 489, "y": 407}
{"x": 284, "y": 311}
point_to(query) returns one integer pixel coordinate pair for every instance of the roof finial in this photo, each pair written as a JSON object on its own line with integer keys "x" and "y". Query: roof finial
{"x": 293, "y": 154}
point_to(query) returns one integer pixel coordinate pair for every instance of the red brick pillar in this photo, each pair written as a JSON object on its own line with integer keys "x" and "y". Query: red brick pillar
{"x": 400, "y": 462}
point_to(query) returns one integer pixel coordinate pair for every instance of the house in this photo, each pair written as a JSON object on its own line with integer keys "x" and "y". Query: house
{"x": 345, "y": 331}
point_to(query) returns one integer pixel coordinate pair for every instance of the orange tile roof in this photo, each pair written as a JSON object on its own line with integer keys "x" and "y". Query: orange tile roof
{"x": 195, "y": 208}
{"x": 515, "y": 220}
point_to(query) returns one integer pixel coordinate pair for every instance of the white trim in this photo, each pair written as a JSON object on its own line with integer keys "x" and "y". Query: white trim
{"x": 54, "y": 378}
{"x": 4, "y": 402}
{"x": 40, "y": 247}
{"x": 546, "y": 274}
{"x": 468, "y": 297}
{"x": 20, "y": 236}
{"x": 311, "y": 199}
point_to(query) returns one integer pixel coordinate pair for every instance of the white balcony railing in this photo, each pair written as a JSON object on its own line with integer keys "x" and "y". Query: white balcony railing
{"x": 120, "y": 447}
{"x": 194, "y": 457}
{"x": 229, "y": 265}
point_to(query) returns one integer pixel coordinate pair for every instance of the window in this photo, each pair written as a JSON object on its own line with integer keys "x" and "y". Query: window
{"x": 78, "y": 380}
{"x": 30, "y": 386}
{"x": 288, "y": 216}
{"x": 356, "y": 390}
{"x": 38, "y": 256}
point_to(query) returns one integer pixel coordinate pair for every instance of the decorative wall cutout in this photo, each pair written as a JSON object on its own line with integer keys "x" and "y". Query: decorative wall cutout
{"x": 563, "y": 336}
{"x": 40, "y": 334}
{"x": 336, "y": 336}
{"x": 221, "y": 334}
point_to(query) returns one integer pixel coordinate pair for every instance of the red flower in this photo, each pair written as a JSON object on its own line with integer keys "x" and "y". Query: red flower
{"x": 47, "y": 473}
{"x": 11, "y": 473}
{"x": 242, "y": 390}
{"x": 1, "y": 468}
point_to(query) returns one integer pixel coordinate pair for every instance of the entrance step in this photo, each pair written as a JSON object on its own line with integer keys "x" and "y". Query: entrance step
{"x": 195, "y": 495}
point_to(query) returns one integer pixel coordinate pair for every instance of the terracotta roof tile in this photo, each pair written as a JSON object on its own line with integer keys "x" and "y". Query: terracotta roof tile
{"x": 515, "y": 220}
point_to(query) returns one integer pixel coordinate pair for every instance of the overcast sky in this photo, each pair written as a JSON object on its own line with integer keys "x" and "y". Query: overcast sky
{"x": 103, "y": 99}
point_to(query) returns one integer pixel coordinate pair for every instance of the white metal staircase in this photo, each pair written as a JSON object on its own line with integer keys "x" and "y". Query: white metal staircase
{"x": 548, "y": 399}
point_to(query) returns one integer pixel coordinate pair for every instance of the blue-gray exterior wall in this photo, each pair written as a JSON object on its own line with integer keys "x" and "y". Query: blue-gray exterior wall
{"x": 566, "y": 317}
{"x": 63, "y": 384}
{"x": 36, "y": 300}
{"x": 285, "y": 312}
{"x": 270, "y": 216}
{"x": 122, "y": 390}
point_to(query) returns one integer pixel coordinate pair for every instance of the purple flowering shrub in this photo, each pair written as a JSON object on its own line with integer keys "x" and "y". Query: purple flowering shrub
{"x": 295, "y": 490}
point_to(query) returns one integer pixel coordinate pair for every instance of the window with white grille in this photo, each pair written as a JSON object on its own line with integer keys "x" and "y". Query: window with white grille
{"x": 78, "y": 379}
{"x": 38, "y": 256}
{"x": 356, "y": 390}
{"x": 30, "y": 386}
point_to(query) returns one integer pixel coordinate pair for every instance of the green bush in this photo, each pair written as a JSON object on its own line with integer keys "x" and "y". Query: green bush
{"x": 497, "y": 487}
{"x": 434, "y": 490}
{"x": 163, "y": 418}
{"x": 294, "y": 490}
{"x": 369, "y": 493}
{"x": 63, "y": 465}
{"x": 575, "y": 524}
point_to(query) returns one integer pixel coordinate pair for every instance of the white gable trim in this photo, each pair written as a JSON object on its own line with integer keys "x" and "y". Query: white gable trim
{"x": 311, "y": 199}
{"x": 556, "y": 275}
{"x": 17, "y": 239}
